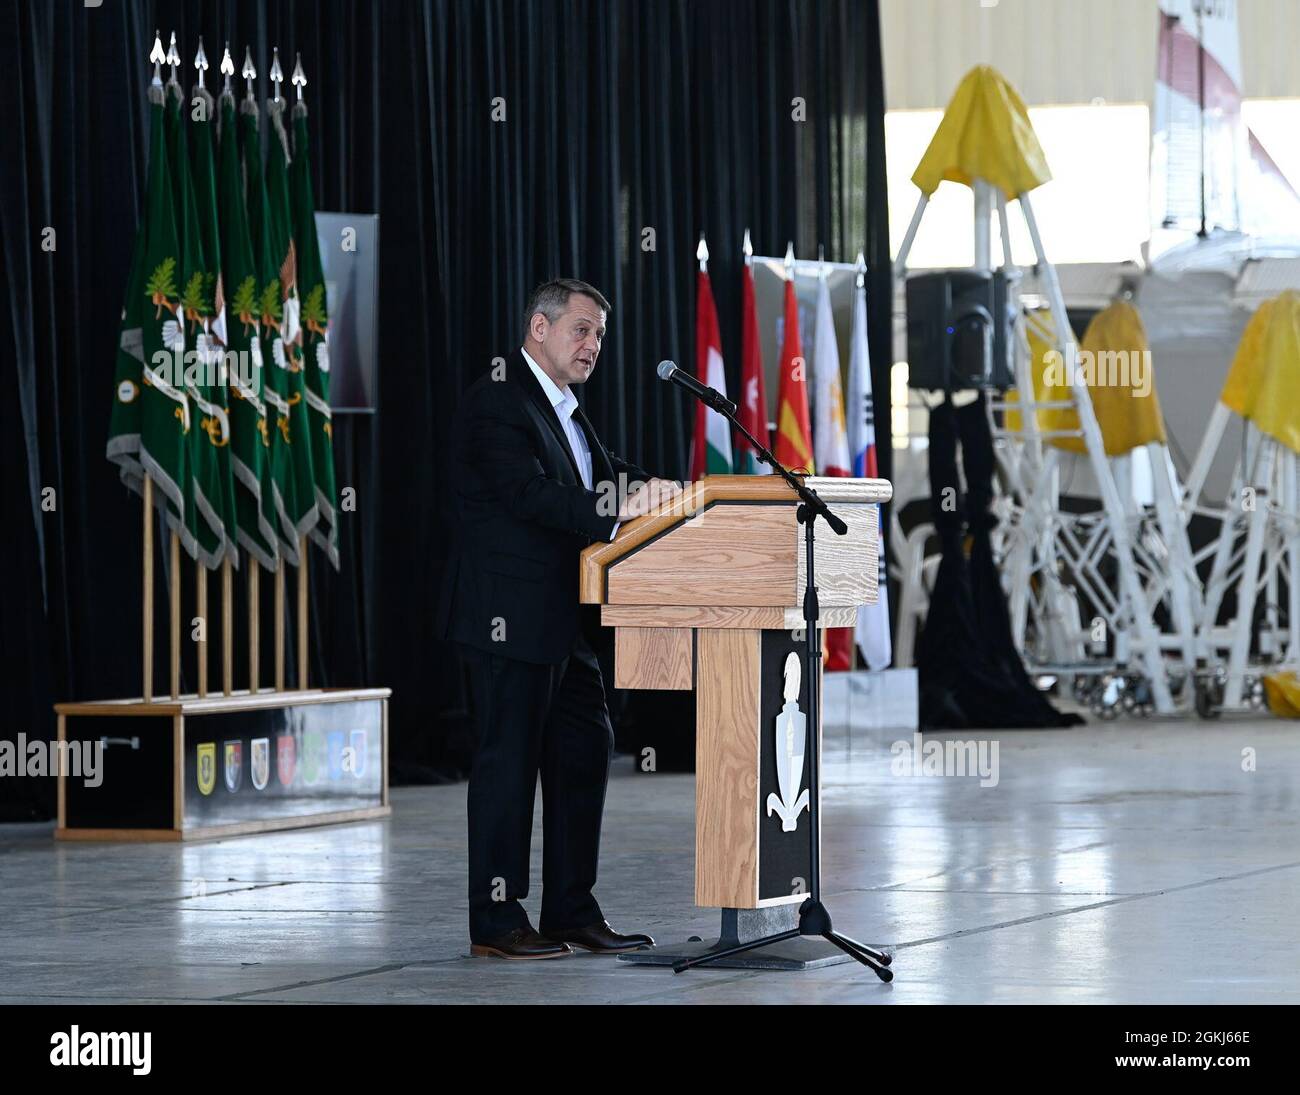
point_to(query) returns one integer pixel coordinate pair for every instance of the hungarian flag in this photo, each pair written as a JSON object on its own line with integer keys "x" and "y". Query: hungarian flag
{"x": 151, "y": 412}
{"x": 250, "y": 431}
{"x": 793, "y": 430}
{"x": 753, "y": 401}
{"x": 286, "y": 348}
{"x": 210, "y": 428}
{"x": 315, "y": 339}
{"x": 829, "y": 438}
{"x": 712, "y": 452}
{"x": 873, "y": 620}
{"x": 279, "y": 480}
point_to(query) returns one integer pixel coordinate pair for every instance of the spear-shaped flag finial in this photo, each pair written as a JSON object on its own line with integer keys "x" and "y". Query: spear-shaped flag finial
{"x": 227, "y": 66}
{"x": 277, "y": 73}
{"x": 861, "y": 268}
{"x": 248, "y": 72}
{"x": 748, "y": 248}
{"x": 201, "y": 62}
{"x": 173, "y": 59}
{"x": 789, "y": 259}
{"x": 299, "y": 78}
{"x": 158, "y": 57}
{"x": 702, "y": 253}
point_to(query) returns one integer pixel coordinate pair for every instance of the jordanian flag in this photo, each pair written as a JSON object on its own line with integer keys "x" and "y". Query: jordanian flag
{"x": 210, "y": 493}
{"x": 270, "y": 310}
{"x": 287, "y": 347}
{"x": 712, "y": 451}
{"x": 250, "y": 444}
{"x": 315, "y": 338}
{"x": 151, "y": 414}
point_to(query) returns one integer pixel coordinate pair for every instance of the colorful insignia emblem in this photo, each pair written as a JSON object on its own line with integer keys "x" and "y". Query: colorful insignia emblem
{"x": 336, "y": 739}
{"x": 313, "y": 756}
{"x": 357, "y": 753}
{"x": 207, "y": 766}
{"x": 285, "y": 758}
{"x": 260, "y": 762}
{"x": 234, "y": 765}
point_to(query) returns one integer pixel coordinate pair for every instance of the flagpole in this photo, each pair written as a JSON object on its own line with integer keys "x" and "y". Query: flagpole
{"x": 157, "y": 56}
{"x": 254, "y": 624}
{"x": 279, "y": 626}
{"x": 175, "y": 594}
{"x": 201, "y": 610}
{"x": 302, "y": 612}
{"x": 146, "y": 599}
{"x": 174, "y": 570}
{"x": 299, "y": 81}
{"x": 227, "y": 626}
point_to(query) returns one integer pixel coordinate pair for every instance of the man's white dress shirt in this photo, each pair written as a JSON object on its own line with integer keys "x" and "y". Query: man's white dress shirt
{"x": 564, "y": 403}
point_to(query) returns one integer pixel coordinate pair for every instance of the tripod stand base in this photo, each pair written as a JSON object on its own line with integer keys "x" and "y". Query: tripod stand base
{"x": 744, "y": 926}
{"x": 814, "y": 923}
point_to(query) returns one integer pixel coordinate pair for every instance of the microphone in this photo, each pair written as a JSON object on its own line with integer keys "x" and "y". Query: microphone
{"x": 706, "y": 395}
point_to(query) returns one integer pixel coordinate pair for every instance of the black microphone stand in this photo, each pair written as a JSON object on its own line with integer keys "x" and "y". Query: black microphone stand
{"x": 814, "y": 918}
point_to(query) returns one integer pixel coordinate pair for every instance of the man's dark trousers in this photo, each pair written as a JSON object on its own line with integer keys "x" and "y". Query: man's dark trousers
{"x": 530, "y": 718}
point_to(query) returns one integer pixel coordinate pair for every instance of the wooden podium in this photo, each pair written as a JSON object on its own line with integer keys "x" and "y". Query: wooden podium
{"x": 706, "y": 594}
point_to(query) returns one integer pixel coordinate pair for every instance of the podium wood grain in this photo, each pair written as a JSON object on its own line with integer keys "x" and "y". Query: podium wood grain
{"x": 693, "y": 616}
{"x": 653, "y": 657}
{"x": 728, "y": 555}
{"x": 726, "y": 770}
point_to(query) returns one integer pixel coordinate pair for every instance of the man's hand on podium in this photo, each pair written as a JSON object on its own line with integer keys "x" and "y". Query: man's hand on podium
{"x": 649, "y": 497}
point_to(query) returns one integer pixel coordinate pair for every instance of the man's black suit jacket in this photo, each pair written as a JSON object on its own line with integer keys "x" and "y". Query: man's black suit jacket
{"x": 521, "y": 516}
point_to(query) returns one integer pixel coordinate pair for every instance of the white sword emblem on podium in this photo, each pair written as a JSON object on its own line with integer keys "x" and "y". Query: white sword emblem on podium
{"x": 791, "y": 740}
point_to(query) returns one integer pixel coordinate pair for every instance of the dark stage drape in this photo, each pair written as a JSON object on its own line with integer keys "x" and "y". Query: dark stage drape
{"x": 502, "y": 142}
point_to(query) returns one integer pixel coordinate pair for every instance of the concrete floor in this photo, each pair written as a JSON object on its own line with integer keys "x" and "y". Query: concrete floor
{"x": 1128, "y": 862}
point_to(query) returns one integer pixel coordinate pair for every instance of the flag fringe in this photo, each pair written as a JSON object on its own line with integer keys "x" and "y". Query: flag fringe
{"x": 275, "y": 115}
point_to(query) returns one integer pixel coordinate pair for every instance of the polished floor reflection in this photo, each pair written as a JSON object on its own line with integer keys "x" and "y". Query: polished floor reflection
{"x": 1148, "y": 861}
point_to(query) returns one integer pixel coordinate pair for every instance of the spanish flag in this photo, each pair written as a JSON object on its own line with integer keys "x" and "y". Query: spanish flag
{"x": 793, "y": 424}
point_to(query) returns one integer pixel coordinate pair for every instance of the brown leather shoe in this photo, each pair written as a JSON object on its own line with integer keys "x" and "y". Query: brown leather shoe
{"x": 522, "y": 944}
{"x": 600, "y": 938}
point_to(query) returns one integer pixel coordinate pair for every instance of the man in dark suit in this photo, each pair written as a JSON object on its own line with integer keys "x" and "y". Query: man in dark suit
{"x": 534, "y": 486}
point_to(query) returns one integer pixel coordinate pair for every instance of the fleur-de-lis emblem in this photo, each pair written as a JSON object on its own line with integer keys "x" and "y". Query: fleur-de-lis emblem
{"x": 791, "y": 735}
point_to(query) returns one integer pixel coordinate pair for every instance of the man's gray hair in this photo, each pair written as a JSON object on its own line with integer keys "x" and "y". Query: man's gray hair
{"x": 551, "y": 298}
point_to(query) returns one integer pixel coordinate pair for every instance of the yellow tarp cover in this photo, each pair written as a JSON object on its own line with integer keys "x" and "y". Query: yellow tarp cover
{"x": 1113, "y": 362}
{"x": 1282, "y": 691}
{"x": 1263, "y": 382}
{"x": 984, "y": 134}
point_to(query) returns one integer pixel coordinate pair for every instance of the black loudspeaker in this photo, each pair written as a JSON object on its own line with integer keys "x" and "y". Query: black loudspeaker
{"x": 960, "y": 330}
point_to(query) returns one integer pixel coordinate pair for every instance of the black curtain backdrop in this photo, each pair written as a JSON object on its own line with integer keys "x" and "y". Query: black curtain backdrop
{"x": 629, "y": 128}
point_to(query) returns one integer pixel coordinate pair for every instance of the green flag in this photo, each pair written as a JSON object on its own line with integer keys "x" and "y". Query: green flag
{"x": 216, "y": 377}
{"x": 315, "y": 338}
{"x": 206, "y": 516}
{"x": 250, "y": 431}
{"x": 270, "y": 307}
{"x": 151, "y": 412}
{"x": 287, "y": 349}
